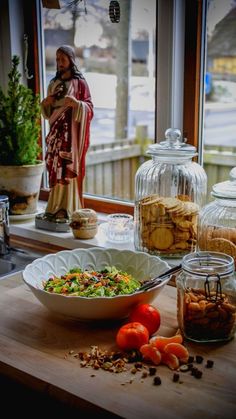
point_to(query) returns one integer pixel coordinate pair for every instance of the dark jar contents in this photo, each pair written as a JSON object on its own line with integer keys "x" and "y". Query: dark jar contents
{"x": 206, "y": 297}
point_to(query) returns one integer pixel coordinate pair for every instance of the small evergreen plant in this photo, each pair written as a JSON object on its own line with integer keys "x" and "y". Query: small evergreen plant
{"x": 19, "y": 121}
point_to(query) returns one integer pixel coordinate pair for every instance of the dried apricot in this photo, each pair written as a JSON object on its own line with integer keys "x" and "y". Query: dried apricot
{"x": 150, "y": 353}
{"x": 170, "y": 360}
{"x": 179, "y": 350}
{"x": 160, "y": 342}
{"x": 145, "y": 349}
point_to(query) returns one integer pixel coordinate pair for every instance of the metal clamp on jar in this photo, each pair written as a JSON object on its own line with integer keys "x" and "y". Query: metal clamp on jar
{"x": 4, "y": 225}
{"x": 206, "y": 297}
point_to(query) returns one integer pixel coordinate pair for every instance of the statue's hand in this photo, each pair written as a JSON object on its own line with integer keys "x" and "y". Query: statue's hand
{"x": 71, "y": 101}
{"x": 48, "y": 101}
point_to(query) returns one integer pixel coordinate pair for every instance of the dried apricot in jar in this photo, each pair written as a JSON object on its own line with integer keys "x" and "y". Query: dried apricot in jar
{"x": 132, "y": 336}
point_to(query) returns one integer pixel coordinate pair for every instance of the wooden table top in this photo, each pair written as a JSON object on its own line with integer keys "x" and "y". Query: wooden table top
{"x": 38, "y": 348}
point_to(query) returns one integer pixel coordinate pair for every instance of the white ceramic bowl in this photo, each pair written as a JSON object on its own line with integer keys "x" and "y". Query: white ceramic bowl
{"x": 139, "y": 264}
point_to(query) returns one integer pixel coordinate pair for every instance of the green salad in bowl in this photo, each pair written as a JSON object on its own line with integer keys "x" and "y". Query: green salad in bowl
{"x": 95, "y": 283}
{"x": 107, "y": 282}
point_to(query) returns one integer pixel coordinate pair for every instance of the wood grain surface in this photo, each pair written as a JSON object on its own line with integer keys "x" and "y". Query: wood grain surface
{"x": 35, "y": 348}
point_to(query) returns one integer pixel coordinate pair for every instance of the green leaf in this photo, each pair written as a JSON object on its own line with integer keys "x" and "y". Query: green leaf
{"x": 19, "y": 121}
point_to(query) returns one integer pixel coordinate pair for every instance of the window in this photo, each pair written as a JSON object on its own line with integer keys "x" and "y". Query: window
{"x": 219, "y": 122}
{"x": 118, "y": 61}
{"x": 176, "y": 99}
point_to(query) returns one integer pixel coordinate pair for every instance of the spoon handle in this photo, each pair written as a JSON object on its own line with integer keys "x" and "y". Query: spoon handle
{"x": 159, "y": 279}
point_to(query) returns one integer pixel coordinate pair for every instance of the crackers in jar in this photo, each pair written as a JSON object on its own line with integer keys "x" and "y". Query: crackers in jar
{"x": 168, "y": 225}
{"x": 218, "y": 239}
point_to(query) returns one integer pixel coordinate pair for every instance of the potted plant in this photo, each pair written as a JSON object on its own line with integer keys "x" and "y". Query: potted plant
{"x": 20, "y": 169}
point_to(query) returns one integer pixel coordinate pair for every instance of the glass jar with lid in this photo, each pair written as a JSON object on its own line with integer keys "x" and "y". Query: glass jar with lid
{"x": 217, "y": 220}
{"x": 206, "y": 297}
{"x": 170, "y": 189}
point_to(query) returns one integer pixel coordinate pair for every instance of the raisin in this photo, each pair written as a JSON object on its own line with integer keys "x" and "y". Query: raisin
{"x": 194, "y": 371}
{"x": 199, "y": 359}
{"x": 152, "y": 370}
{"x": 157, "y": 381}
{"x": 209, "y": 363}
{"x": 175, "y": 377}
{"x": 198, "y": 374}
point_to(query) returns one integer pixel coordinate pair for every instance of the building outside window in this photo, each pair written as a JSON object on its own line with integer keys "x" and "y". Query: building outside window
{"x": 219, "y": 123}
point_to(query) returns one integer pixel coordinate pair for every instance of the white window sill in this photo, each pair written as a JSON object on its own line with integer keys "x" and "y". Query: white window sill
{"x": 27, "y": 230}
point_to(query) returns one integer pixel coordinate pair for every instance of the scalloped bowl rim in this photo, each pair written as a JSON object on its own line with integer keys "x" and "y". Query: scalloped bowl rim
{"x": 36, "y": 268}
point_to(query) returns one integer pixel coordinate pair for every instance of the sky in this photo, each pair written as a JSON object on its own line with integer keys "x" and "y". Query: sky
{"x": 89, "y": 30}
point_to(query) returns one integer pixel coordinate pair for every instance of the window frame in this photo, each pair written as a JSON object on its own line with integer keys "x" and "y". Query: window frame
{"x": 192, "y": 85}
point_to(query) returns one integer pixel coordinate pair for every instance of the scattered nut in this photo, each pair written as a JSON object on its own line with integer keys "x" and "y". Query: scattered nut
{"x": 184, "y": 367}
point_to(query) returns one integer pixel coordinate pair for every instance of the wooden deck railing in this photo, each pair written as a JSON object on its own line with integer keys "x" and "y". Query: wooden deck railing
{"x": 218, "y": 161}
{"x": 111, "y": 168}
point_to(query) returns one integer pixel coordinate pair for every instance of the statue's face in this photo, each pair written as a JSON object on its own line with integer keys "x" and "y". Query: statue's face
{"x": 63, "y": 62}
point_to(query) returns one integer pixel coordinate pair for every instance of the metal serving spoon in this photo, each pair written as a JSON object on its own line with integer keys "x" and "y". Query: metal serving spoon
{"x": 150, "y": 283}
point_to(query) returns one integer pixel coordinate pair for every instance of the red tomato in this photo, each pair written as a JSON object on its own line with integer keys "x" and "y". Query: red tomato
{"x": 148, "y": 315}
{"x": 132, "y": 336}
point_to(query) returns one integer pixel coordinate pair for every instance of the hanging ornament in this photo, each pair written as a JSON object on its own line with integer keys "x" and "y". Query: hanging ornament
{"x": 114, "y": 11}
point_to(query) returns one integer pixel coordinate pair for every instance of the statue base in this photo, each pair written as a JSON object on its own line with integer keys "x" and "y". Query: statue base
{"x": 44, "y": 222}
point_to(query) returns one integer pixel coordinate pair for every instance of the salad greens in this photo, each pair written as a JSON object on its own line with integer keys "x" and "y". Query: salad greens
{"x": 88, "y": 283}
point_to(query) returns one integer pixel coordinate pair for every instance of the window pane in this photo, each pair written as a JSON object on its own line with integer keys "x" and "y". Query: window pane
{"x": 220, "y": 91}
{"x": 118, "y": 62}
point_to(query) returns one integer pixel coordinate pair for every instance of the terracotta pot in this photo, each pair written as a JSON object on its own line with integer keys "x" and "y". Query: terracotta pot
{"x": 22, "y": 185}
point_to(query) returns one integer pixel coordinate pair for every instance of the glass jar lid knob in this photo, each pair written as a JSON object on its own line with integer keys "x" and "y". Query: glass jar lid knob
{"x": 173, "y": 137}
{"x": 176, "y": 142}
{"x": 173, "y": 145}
{"x": 232, "y": 175}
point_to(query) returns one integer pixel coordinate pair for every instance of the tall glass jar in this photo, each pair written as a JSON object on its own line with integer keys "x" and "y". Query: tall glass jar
{"x": 217, "y": 220}
{"x": 206, "y": 297}
{"x": 170, "y": 189}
